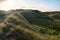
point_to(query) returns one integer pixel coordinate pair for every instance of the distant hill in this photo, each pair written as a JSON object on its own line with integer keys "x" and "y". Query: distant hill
{"x": 55, "y": 14}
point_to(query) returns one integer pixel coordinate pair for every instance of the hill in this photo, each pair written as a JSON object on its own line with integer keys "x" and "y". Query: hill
{"x": 55, "y": 14}
{"x": 24, "y": 24}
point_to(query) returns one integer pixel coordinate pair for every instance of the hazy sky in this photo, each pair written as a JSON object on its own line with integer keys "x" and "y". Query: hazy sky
{"x": 43, "y": 5}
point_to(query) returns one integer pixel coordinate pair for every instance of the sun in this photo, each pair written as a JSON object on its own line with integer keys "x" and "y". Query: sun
{"x": 7, "y": 5}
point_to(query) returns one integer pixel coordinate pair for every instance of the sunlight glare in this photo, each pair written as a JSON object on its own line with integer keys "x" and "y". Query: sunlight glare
{"x": 7, "y": 5}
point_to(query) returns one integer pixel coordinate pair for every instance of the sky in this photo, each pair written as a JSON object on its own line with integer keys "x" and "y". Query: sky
{"x": 42, "y": 5}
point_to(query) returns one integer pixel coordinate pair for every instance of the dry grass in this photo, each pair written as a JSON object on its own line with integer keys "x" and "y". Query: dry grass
{"x": 36, "y": 36}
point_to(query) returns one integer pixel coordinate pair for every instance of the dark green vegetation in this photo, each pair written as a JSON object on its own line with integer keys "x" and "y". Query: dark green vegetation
{"x": 23, "y": 24}
{"x": 43, "y": 22}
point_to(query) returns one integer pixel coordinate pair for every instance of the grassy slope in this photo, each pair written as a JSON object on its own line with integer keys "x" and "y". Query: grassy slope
{"x": 19, "y": 31}
{"x": 42, "y": 22}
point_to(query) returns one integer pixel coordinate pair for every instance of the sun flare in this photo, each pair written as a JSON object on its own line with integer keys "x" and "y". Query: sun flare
{"x": 7, "y": 5}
